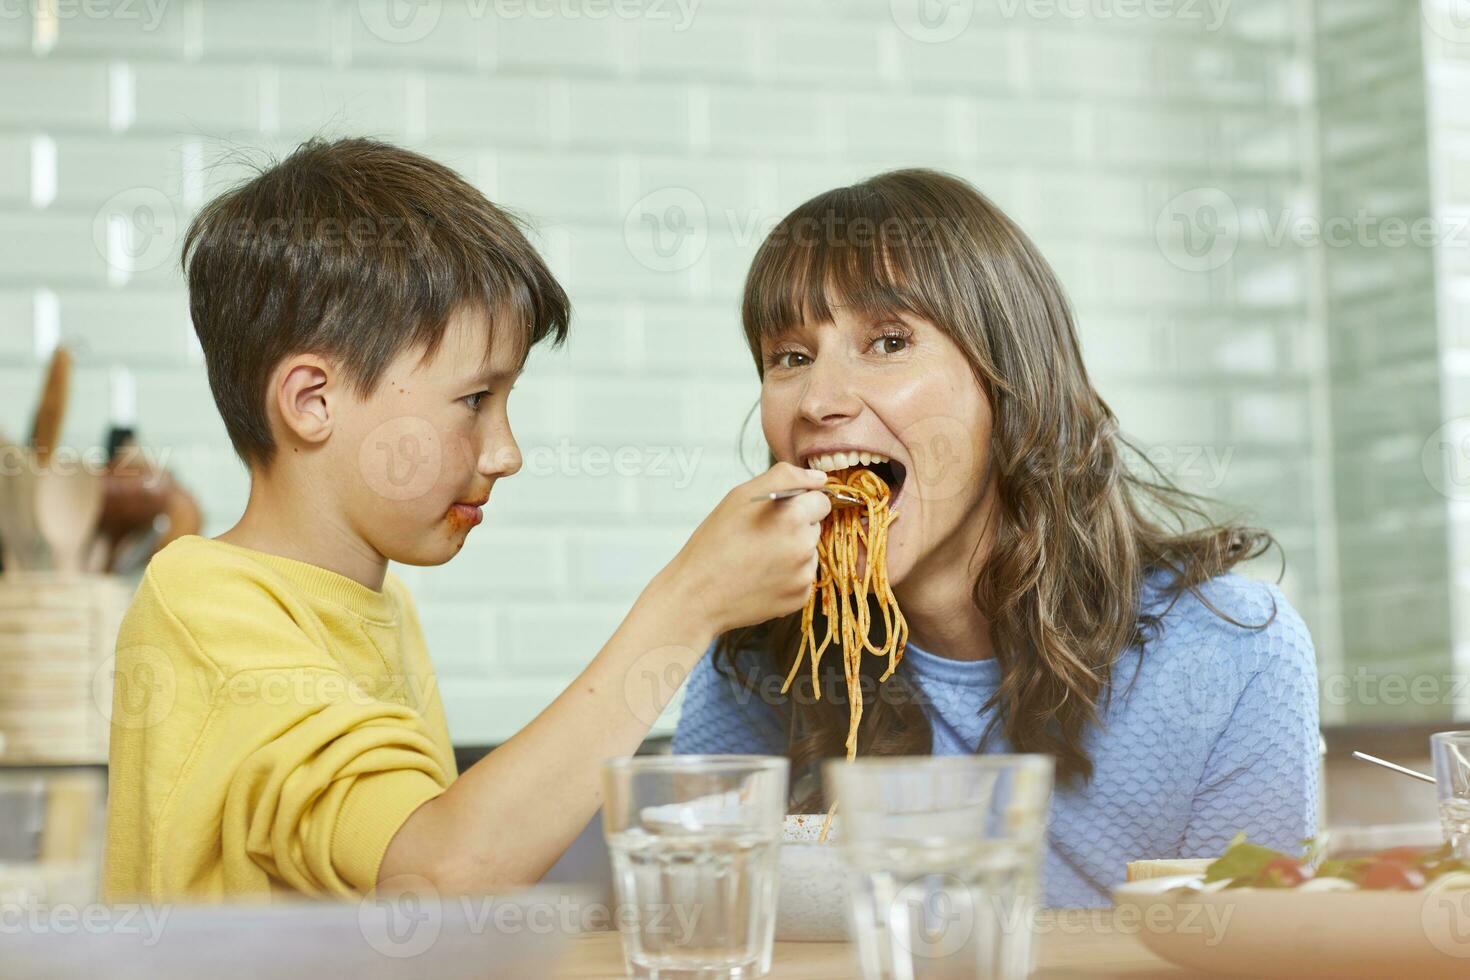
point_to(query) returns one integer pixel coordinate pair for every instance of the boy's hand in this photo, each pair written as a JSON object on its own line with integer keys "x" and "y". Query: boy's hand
{"x": 750, "y": 561}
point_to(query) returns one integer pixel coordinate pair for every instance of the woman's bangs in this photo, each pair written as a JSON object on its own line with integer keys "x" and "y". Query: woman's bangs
{"x": 827, "y": 256}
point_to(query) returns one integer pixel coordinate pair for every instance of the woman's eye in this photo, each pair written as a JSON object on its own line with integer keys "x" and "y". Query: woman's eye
{"x": 890, "y": 343}
{"x": 790, "y": 359}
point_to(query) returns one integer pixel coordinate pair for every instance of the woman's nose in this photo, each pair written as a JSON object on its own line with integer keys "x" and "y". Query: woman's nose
{"x": 829, "y": 395}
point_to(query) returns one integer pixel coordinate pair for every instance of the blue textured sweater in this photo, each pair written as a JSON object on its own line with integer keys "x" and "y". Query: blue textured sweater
{"x": 1217, "y": 734}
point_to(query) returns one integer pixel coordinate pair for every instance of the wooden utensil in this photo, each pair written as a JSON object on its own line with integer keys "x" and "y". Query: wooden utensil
{"x": 24, "y": 548}
{"x": 51, "y": 412}
{"x": 66, "y": 511}
{"x": 184, "y": 516}
{"x": 136, "y": 495}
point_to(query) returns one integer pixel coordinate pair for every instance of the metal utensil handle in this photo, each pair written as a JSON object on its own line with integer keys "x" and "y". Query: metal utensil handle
{"x": 1394, "y": 766}
{"x": 841, "y": 496}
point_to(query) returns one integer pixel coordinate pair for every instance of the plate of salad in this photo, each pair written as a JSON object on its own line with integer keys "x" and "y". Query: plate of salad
{"x": 1260, "y": 912}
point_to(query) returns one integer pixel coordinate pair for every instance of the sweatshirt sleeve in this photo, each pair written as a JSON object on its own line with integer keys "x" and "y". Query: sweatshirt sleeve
{"x": 722, "y": 718}
{"x": 270, "y": 760}
{"x": 1262, "y": 775}
{"x": 319, "y": 792}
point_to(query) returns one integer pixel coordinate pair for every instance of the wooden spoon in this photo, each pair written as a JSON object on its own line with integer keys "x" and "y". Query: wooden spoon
{"x": 51, "y": 412}
{"x": 66, "y": 509}
{"x": 24, "y": 549}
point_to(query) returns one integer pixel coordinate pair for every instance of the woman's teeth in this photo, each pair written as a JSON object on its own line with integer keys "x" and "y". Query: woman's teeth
{"x": 828, "y": 462}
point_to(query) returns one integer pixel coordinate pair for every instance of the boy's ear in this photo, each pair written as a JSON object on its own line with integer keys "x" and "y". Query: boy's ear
{"x": 303, "y": 383}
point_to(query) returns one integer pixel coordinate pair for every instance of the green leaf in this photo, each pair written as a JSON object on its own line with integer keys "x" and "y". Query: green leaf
{"x": 1241, "y": 859}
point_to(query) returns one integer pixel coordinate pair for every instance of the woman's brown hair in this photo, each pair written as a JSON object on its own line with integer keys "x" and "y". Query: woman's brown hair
{"x": 1074, "y": 532}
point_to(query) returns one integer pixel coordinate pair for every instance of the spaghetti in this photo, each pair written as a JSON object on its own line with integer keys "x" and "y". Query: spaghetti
{"x": 843, "y": 589}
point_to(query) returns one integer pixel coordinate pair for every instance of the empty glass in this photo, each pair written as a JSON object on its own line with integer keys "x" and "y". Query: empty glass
{"x": 694, "y": 842}
{"x": 1450, "y": 752}
{"x": 944, "y": 856}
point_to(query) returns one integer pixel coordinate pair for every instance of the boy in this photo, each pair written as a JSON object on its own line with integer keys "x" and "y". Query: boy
{"x": 276, "y": 730}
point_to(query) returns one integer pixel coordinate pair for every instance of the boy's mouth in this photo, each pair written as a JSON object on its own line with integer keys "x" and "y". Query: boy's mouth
{"x": 467, "y": 514}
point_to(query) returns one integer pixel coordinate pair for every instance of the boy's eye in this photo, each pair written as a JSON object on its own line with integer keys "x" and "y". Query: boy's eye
{"x": 473, "y": 401}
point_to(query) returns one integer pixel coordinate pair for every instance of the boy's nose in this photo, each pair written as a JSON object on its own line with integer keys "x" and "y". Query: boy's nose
{"x": 502, "y": 460}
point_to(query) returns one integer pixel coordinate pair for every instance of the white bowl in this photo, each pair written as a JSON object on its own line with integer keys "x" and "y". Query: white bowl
{"x": 811, "y": 905}
{"x": 1267, "y": 932}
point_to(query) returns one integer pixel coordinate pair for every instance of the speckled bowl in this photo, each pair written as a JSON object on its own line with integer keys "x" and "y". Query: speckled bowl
{"x": 812, "y": 902}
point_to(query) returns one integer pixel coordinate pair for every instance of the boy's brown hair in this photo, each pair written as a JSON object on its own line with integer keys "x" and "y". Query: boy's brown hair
{"x": 356, "y": 250}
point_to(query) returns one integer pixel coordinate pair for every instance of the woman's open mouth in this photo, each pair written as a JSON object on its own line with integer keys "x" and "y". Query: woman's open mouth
{"x": 890, "y": 470}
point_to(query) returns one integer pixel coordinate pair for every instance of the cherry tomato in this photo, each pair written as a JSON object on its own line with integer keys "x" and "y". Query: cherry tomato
{"x": 1284, "y": 873}
{"x": 1392, "y": 875}
{"x": 1403, "y": 855}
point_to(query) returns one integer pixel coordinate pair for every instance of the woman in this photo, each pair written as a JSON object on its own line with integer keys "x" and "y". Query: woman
{"x": 1057, "y": 602}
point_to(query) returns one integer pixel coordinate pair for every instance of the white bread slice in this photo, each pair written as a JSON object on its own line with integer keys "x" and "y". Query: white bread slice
{"x": 1144, "y": 870}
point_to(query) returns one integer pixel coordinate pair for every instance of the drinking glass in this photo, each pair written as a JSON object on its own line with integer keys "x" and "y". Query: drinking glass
{"x": 694, "y": 841}
{"x": 944, "y": 857}
{"x": 1450, "y": 752}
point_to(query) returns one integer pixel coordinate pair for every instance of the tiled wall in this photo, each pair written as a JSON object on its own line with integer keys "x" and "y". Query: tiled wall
{"x": 1383, "y": 347}
{"x": 1447, "y": 70}
{"x": 651, "y": 142}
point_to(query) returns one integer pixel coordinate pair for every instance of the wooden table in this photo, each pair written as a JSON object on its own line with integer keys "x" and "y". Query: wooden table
{"x": 1073, "y": 944}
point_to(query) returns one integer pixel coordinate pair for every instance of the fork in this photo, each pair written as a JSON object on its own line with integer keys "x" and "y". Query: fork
{"x": 840, "y": 497}
{"x": 1396, "y": 768}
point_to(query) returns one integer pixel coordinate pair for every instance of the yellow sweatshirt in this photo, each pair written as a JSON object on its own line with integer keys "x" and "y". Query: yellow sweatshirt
{"x": 274, "y": 723}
